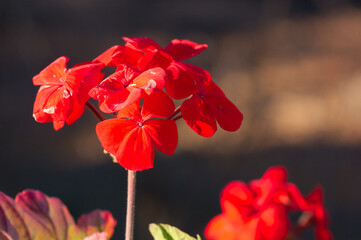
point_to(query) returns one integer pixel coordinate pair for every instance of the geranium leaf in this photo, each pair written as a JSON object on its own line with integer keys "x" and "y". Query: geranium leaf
{"x": 35, "y": 216}
{"x": 5, "y": 236}
{"x": 97, "y": 236}
{"x": 14, "y": 224}
{"x": 168, "y": 232}
{"x": 97, "y": 221}
{"x": 44, "y": 216}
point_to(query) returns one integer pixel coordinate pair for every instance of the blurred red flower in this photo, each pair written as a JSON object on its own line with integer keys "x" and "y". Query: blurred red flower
{"x": 64, "y": 92}
{"x": 258, "y": 211}
{"x": 240, "y": 221}
{"x": 132, "y": 136}
{"x": 273, "y": 187}
{"x": 316, "y": 215}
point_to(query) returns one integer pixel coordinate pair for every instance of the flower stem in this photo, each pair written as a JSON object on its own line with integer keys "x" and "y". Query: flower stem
{"x": 129, "y": 222}
{"x": 176, "y": 111}
{"x": 176, "y": 118}
{"x": 95, "y": 111}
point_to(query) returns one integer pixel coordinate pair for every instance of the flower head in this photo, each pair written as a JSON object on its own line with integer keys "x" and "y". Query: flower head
{"x": 134, "y": 134}
{"x": 240, "y": 221}
{"x": 259, "y": 210}
{"x": 63, "y": 92}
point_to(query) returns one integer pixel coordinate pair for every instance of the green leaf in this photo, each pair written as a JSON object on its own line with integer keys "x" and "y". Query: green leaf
{"x": 168, "y": 232}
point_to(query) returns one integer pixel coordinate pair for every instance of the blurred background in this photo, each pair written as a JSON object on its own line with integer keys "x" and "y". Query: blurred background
{"x": 291, "y": 66}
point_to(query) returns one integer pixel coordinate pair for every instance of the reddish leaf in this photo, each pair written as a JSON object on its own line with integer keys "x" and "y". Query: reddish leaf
{"x": 96, "y": 222}
{"x": 33, "y": 215}
{"x": 44, "y": 215}
{"x": 5, "y": 236}
{"x": 97, "y": 236}
{"x": 13, "y": 217}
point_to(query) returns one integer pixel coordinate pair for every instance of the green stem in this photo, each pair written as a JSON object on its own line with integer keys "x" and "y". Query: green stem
{"x": 129, "y": 222}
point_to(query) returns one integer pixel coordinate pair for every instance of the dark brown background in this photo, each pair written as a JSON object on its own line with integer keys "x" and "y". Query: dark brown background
{"x": 292, "y": 67}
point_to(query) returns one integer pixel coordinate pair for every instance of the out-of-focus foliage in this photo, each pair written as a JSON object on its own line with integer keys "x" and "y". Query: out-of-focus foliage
{"x": 35, "y": 216}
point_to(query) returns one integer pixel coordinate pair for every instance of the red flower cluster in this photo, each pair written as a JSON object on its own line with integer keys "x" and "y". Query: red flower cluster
{"x": 63, "y": 93}
{"x": 134, "y": 93}
{"x": 258, "y": 211}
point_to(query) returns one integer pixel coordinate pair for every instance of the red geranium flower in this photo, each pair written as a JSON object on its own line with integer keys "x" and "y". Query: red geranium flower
{"x": 126, "y": 86}
{"x": 132, "y": 136}
{"x": 273, "y": 187}
{"x": 240, "y": 221}
{"x": 63, "y": 92}
{"x": 209, "y": 105}
{"x": 181, "y": 82}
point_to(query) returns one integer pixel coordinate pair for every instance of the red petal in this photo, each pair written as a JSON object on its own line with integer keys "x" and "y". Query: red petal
{"x": 163, "y": 133}
{"x": 120, "y": 100}
{"x": 111, "y": 93}
{"x": 227, "y": 114}
{"x": 52, "y": 74}
{"x": 112, "y": 132}
{"x": 220, "y": 228}
{"x": 155, "y": 59}
{"x": 126, "y": 55}
{"x": 124, "y": 74}
{"x": 81, "y": 79}
{"x": 144, "y": 44}
{"x": 134, "y": 95}
{"x": 298, "y": 198}
{"x": 157, "y": 105}
{"x": 198, "y": 116}
{"x": 42, "y": 97}
{"x": 76, "y": 113}
{"x": 275, "y": 222}
{"x": 182, "y": 49}
{"x": 210, "y": 88}
{"x": 236, "y": 198}
{"x": 58, "y": 106}
{"x": 106, "y": 57}
{"x": 132, "y": 112}
{"x": 181, "y": 82}
{"x": 277, "y": 174}
{"x": 150, "y": 80}
{"x": 136, "y": 151}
